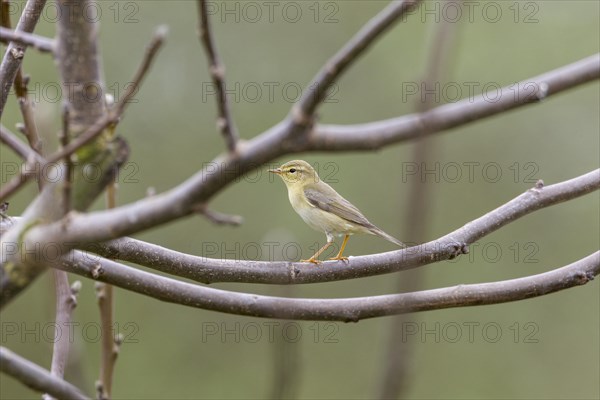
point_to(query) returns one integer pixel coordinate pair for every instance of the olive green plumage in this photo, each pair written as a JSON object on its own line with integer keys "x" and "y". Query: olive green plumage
{"x": 323, "y": 209}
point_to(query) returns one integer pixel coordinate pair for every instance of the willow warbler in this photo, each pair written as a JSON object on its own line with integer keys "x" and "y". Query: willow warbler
{"x": 323, "y": 209}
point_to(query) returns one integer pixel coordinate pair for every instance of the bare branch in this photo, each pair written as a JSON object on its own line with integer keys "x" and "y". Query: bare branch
{"x": 86, "y": 137}
{"x": 78, "y": 61}
{"x": 36, "y": 377}
{"x": 108, "y": 119}
{"x": 219, "y": 218}
{"x": 207, "y": 270}
{"x": 31, "y": 158}
{"x": 170, "y": 290}
{"x": 110, "y": 346}
{"x": 110, "y": 153}
{"x": 11, "y": 62}
{"x": 104, "y": 294}
{"x": 378, "y": 134}
{"x": 348, "y": 309}
{"x": 24, "y": 151}
{"x": 113, "y": 116}
{"x": 40, "y": 43}
{"x": 335, "y": 67}
{"x": 29, "y": 128}
{"x": 65, "y": 304}
{"x": 158, "y": 39}
{"x": 225, "y": 122}
{"x": 64, "y": 142}
{"x": 66, "y": 301}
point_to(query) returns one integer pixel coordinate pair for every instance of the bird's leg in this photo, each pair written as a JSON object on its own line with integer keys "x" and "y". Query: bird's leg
{"x": 313, "y": 259}
{"x": 339, "y": 255}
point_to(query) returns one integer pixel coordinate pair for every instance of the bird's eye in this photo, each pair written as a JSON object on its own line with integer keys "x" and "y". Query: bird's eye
{"x": 292, "y": 170}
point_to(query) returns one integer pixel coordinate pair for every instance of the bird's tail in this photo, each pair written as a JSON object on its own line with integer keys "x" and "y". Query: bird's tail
{"x": 389, "y": 238}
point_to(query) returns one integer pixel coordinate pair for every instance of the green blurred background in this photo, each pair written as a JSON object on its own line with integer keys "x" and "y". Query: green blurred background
{"x": 541, "y": 348}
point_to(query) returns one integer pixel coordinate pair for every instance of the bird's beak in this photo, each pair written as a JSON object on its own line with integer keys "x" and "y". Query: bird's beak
{"x": 276, "y": 171}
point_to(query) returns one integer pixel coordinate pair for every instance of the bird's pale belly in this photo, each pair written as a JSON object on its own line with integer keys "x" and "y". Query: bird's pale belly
{"x": 323, "y": 221}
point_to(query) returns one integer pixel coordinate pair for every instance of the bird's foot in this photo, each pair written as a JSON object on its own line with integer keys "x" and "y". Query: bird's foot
{"x": 312, "y": 260}
{"x": 339, "y": 258}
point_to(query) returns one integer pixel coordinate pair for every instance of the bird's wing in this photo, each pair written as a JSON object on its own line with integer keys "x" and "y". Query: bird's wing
{"x": 329, "y": 200}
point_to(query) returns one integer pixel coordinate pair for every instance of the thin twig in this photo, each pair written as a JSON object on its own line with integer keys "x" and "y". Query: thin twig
{"x": 36, "y": 377}
{"x": 25, "y": 105}
{"x": 66, "y": 295}
{"x": 108, "y": 119}
{"x": 66, "y": 301}
{"x": 24, "y": 151}
{"x": 34, "y": 163}
{"x": 90, "y": 134}
{"x": 11, "y": 62}
{"x": 110, "y": 346}
{"x": 29, "y": 126}
{"x": 104, "y": 294}
{"x": 335, "y": 67}
{"x": 225, "y": 122}
{"x": 219, "y": 218}
{"x": 158, "y": 39}
{"x": 64, "y": 142}
{"x": 40, "y": 43}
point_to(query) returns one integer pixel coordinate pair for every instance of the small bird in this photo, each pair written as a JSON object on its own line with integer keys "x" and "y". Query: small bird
{"x": 323, "y": 209}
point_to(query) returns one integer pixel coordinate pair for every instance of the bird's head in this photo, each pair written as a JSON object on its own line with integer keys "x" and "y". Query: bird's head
{"x": 296, "y": 173}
